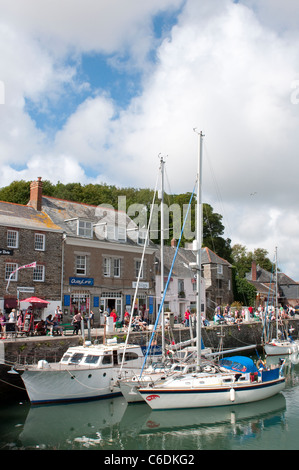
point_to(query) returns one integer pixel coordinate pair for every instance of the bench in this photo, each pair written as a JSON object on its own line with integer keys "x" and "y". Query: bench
{"x": 67, "y": 327}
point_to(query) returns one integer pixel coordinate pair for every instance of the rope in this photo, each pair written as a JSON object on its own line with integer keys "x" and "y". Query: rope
{"x": 12, "y": 385}
{"x": 168, "y": 280}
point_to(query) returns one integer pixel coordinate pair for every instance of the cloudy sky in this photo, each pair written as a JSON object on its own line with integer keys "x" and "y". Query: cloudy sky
{"x": 94, "y": 91}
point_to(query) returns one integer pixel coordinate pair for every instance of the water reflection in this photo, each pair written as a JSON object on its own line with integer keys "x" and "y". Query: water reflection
{"x": 113, "y": 425}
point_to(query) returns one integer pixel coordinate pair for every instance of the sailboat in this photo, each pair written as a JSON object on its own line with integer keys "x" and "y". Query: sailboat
{"x": 233, "y": 380}
{"x": 279, "y": 345}
{"x": 183, "y": 355}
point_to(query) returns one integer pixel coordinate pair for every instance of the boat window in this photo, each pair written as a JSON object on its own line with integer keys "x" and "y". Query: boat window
{"x": 76, "y": 358}
{"x": 107, "y": 359}
{"x": 91, "y": 359}
{"x": 178, "y": 368}
{"x": 227, "y": 380}
{"x": 129, "y": 356}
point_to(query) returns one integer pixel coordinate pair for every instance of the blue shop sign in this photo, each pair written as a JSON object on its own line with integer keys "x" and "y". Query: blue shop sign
{"x": 81, "y": 281}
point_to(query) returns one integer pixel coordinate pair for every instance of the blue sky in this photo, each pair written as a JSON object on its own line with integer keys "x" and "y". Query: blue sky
{"x": 94, "y": 92}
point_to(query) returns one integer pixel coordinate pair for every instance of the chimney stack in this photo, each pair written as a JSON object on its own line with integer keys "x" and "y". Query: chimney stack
{"x": 173, "y": 243}
{"x": 36, "y": 192}
{"x": 253, "y": 271}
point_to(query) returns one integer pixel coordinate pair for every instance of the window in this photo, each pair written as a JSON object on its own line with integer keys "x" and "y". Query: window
{"x": 107, "y": 267}
{"x": 107, "y": 360}
{"x": 91, "y": 359}
{"x": 76, "y": 358}
{"x": 219, "y": 269}
{"x": 39, "y": 273}
{"x": 181, "y": 285}
{"x": 9, "y": 268}
{"x": 129, "y": 356}
{"x": 12, "y": 239}
{"x": 137, "y": 268}
{"x": 116, "y": 271}
{"x": 85, "y": 229}
{"x": 81, "y": 265}
{"x": 39, "y": 242}
{"x": 117, "y": 233}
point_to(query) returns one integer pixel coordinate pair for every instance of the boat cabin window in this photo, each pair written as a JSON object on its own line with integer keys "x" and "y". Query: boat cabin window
{"x": 91, "y": 359}
{"x": 129, "y": 356}
{"x": 76, "y": 358}
{"x": 66, "y": 357}
{"x": 107, "y": 360}
{"x": 178, "y": 368}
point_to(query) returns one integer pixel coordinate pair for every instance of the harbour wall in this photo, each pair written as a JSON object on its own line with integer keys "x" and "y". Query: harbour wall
{"x": 31, "y": 349}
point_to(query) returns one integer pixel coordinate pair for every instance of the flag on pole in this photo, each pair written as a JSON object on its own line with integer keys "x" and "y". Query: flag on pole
{"x": 31, "y": 265}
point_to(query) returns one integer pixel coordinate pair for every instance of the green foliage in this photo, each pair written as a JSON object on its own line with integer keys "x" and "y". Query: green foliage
{"x": 245, "y": 292}
{"x": 243, "y": 259}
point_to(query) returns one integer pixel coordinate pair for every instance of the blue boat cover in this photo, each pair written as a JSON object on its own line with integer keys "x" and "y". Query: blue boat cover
{"x": 239, "y": 364}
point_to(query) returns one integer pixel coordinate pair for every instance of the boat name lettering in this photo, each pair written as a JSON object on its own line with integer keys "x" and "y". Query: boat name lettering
{"x": 152, "y": 397}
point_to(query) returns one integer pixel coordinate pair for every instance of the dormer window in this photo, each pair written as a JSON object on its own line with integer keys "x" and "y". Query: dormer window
{"x": 85, "y": 229}
{"x": 116, "y": 233}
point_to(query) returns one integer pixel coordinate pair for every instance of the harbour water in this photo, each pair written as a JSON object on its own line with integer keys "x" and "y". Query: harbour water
{"x": 113, "y": 425}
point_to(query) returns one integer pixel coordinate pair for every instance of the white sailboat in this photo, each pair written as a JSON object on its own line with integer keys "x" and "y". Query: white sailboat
{"x": 279, "y": 345}
{"x": 129, "y": 386}
{"x": 236, "y": 380}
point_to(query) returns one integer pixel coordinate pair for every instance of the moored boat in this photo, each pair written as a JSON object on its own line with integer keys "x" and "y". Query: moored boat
{"x": 234, "y": 380}
{"x": 83, "y": 373}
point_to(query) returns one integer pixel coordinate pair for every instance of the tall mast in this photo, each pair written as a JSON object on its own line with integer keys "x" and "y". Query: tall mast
{"x": 198, "y": 246}
{"x": 162, "y": 162}
{"x": 276, "y": 292}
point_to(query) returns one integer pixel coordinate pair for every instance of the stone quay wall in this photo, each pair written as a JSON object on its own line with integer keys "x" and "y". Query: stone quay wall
{"x": 31, "y": 349}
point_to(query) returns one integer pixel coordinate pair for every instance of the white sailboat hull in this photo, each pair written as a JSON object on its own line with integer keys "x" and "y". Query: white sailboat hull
{"x": 159, "y": 399}
{"x": 215, "y": 391}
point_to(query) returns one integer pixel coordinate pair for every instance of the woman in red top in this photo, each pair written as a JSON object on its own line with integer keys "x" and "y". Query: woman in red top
{"x": 113, "y": 314}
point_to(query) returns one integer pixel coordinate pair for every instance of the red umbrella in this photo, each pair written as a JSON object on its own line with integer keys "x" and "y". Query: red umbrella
{"x": 35, "y": 300}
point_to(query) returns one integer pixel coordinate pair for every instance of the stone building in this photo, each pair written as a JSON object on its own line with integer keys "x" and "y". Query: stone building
{"x": 265, "y": 284}
{"x": 181, "y": 293}
{"x": 216, "y": 281}
{"x": 217, "y": 273}
{"x": 101, "y": 257}
{"x": 28, "y": 235}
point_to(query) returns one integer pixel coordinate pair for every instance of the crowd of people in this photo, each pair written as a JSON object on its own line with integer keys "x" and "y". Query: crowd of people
{"x": 52, "y": 325}
{"x": 233, "y": 315}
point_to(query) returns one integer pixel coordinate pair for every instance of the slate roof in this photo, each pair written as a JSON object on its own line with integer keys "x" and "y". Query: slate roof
{"x": 184, "y": 257}
{"x": 265, "y": 277}
{"x": 66, "y": 213}
{"x": 19, "y": 216}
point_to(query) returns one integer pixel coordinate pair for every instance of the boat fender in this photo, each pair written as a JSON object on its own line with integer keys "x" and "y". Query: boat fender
{"x": 43, "y": 364}
{"x": 232, "y": 394}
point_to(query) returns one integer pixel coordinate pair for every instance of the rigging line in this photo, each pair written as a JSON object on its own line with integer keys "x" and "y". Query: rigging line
{"x": 168, "y": 280}
{"x": 217, "y": 188}
{"x": 140, "y": 269}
